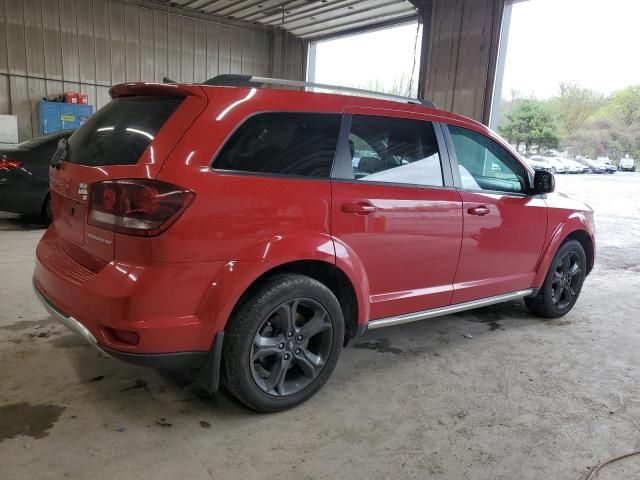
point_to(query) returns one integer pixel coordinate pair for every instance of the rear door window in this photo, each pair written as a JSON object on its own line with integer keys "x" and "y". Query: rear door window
{"x": 279, "y": 143}
{"x": 394, "y": 150}
{"x": 119, "y": 132}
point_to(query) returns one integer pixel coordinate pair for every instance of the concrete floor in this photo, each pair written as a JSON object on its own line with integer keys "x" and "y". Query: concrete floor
{"x": 521, "y": 398}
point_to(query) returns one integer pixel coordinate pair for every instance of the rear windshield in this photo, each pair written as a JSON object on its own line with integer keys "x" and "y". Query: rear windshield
{"x": 119, "y": 132}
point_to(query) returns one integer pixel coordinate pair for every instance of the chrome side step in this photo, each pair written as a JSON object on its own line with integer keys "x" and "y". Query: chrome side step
{"x": 438, "y": 312}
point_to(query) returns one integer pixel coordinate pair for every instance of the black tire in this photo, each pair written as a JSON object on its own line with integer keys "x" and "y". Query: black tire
{"x": 563, "y": 282}
{"x": 257, "y": 340}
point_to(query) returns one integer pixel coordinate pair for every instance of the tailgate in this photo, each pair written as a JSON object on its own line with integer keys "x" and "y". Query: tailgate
{"x": 130, "y": 137}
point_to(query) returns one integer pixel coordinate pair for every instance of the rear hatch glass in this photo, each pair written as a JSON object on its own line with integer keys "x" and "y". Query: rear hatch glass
{"x": 113, "y": 140}
{"x": 120, "y": 131}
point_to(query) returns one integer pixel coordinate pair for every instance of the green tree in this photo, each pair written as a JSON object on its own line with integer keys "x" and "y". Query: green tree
{"x": 575, "y": 105}
{"x": 625, "y": 105}
{"x": 605, "y": 137}
{"x": 530, "y": 123}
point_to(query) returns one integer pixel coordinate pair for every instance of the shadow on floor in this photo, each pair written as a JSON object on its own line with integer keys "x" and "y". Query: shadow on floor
{"x": 10, "y": 222}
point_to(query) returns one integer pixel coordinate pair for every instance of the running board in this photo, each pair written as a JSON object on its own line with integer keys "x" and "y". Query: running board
{"x": 438, "y": 312}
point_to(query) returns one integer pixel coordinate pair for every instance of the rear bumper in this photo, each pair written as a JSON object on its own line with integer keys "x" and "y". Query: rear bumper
{"x": 161, "y": 303}
{"x": 176, "y": 360}
{"x": 67, "y": 320}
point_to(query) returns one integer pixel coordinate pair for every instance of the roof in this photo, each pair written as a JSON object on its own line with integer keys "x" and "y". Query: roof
{"x": 307, "y": 19}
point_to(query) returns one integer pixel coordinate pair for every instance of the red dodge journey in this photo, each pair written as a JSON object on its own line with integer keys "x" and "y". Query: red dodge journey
{"x": 247, "y": 233}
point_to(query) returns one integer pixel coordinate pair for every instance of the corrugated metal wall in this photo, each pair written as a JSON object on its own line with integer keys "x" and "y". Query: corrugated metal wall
{"x": 48, "y": 47}
{"x": 462, "y": 55}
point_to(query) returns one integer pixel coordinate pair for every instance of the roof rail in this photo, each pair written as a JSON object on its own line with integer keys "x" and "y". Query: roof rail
{"x": 237, "y": 80}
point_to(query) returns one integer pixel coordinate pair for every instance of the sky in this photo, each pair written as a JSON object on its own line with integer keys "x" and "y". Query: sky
{"x": 592, "y": 42}
{"x": 356, "y": 60}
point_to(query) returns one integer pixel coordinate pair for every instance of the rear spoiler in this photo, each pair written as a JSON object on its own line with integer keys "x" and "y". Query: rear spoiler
{"x": 155, "y": 89}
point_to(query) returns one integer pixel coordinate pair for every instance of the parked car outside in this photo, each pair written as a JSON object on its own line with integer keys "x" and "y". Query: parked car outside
{"x": 627, "y": 164}
{"x": 594, "y": 166}
{"x": 227, "y": 231}
{"x": 584, "y": 168}
{"x": 570, "y": 166}
{"x": 587, "y": 165}
{"x": 24, "y": 175}
{"x": 537, "y": 164}
{"x": 608, "y": 165}
{"x": 550, "y": 164}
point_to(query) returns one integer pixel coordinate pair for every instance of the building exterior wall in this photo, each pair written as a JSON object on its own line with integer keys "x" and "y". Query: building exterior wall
{"x": 48, "y": 47}
{"x": 459, "y": 65}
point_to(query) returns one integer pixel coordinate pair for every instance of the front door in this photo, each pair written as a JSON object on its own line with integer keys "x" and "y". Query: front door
{"x": 395, "y": 211}
{"x": 504, "y": 226}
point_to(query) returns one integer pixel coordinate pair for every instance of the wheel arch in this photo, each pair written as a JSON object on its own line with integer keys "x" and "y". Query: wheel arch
{"x": 585, "y": 240}
{"x": 574, "y": 229}
{"x": 326, "y": 273}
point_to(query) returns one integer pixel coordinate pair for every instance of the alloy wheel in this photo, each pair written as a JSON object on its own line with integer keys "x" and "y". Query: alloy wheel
{"x": 291, "y": 347}
{"x": 567, "y": 277}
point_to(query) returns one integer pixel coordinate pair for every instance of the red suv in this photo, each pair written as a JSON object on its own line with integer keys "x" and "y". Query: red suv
{"x": 248, "y": 233}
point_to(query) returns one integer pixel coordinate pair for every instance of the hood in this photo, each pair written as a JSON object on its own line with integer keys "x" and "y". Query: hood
{"x": 564, "y": 201}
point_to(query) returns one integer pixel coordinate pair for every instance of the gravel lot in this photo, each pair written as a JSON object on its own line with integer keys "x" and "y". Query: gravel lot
{"x": 520, "y": 398}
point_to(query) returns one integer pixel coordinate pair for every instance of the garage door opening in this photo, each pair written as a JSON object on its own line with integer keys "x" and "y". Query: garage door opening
{"x": 570, "y": 87}
{"x": 385, "y": 60}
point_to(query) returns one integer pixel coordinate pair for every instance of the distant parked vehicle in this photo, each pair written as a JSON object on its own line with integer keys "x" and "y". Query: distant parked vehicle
{"x": 24, "y": 175}
{"x": 609, "y": 167}
{"x": 584, "y": 168}
{"x": 627, "y": 164}
{"x": 570, "y": 166}
{"x": 550, "y": 164}
{"x": 594, "y": 166}
{"x": 536, "y": 164}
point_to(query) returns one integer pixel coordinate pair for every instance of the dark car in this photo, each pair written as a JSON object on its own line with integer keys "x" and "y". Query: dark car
{"x": 24, "y": 175}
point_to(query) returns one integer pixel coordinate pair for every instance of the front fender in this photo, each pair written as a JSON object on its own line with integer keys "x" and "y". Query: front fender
{"x": 576, "y": 221}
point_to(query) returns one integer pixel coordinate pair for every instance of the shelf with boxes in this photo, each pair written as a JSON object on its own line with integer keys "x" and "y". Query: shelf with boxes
{"x": 65, "y": 112}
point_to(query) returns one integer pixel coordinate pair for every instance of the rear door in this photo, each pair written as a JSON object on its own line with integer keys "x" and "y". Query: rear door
{"x": 504, "y": 226}
{"x": 130, "y": 137}
{"x": 395, "y": 209}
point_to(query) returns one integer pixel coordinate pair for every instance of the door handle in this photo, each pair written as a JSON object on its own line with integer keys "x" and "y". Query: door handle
{"x": 482, "y": 210}
{"x": 358, "y": 208}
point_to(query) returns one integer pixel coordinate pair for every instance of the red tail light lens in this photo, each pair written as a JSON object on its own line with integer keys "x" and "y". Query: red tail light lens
{"x": 136, "y": 207}
{"x": 7, "y": 164}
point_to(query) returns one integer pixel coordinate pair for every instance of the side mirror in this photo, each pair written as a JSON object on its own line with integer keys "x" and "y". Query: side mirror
{"x": 543, "y": 182}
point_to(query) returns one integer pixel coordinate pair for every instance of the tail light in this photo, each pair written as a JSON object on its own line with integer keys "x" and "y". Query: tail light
{"x": 143, "y": 208}
{"x": 7, "y": 164}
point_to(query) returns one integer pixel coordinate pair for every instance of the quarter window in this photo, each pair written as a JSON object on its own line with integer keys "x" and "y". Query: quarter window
{"x": 485, "y": 165}
{"x": 299, "y": 144}
{"x": 394, "y": 150}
